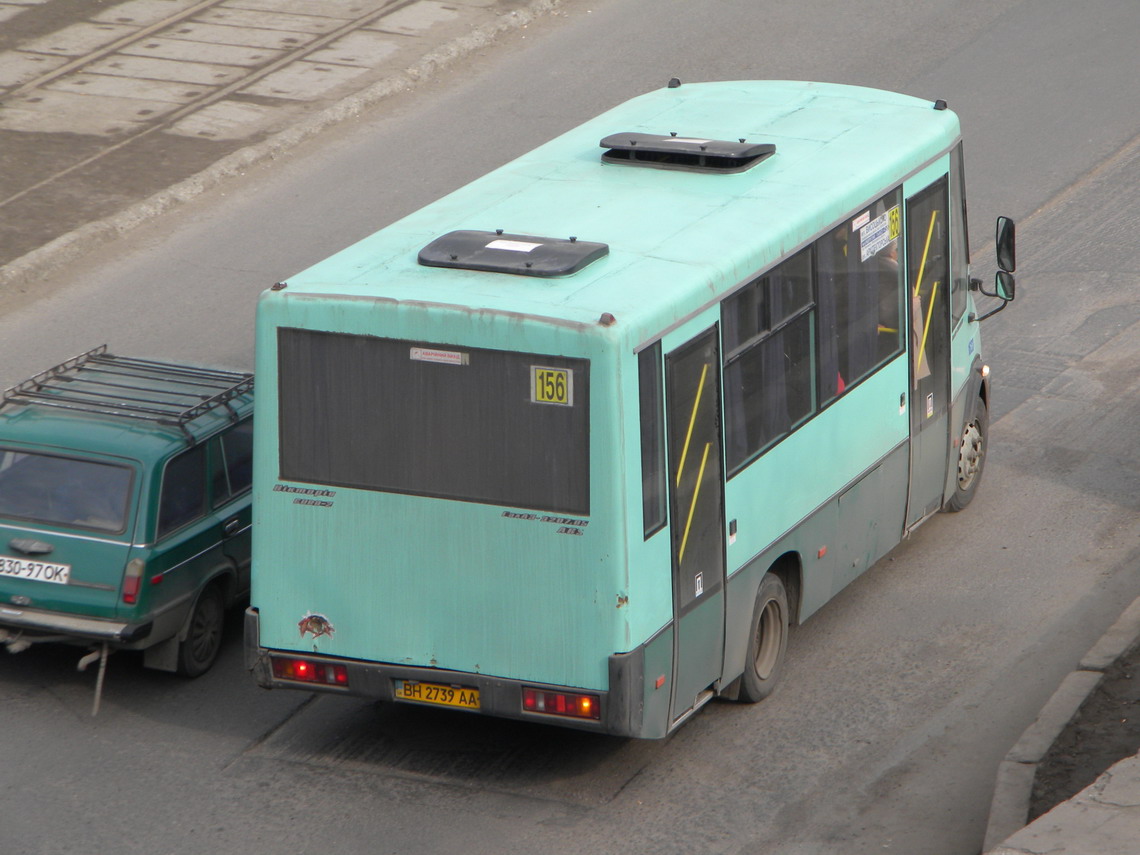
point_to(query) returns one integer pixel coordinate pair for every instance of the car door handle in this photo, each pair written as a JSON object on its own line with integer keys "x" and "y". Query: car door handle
{"x": 231, "y": 526}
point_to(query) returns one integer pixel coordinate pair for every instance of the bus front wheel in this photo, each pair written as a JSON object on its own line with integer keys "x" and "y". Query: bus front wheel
{"x": 768, "y": 641}
{"x": 971, "y": 456}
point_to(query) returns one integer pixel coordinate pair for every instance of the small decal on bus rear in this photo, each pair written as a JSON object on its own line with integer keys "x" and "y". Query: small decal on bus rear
{"x": 323, "y": 499}
{"x": 442, "y": 357}
{"x": 551, "y": 386}
{"x": 547, "y": 518}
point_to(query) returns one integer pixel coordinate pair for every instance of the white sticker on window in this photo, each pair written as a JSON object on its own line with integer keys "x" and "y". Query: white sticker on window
{"x": 699, "y": 583}
{"x": 878, "y": 234}
{"x": 875, "y": 236}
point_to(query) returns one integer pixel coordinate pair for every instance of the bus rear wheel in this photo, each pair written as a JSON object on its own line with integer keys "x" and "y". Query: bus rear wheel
{"x": 971, "y": 456}
{"x": 768, "y": 641}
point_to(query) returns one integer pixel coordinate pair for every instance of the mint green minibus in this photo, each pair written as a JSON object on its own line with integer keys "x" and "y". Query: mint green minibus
{"x": 578, "y": 442}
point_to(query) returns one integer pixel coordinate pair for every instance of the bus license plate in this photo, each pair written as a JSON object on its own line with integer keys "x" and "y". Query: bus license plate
{"x": 433, "y": 693}
{"x": 39, "y": 571}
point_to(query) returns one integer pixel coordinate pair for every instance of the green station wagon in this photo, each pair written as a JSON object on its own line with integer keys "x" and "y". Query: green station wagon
{"x": 125, "y": 508}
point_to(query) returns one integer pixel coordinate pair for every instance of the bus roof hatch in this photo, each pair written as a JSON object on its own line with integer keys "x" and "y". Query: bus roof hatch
{"x": 526, "y": 255}
{"x": 690, "y": 153}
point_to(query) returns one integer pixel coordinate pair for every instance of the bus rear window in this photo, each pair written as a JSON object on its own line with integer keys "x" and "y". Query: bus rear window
{"x": 66, "y": 491}
{"x": 491, "y": 426}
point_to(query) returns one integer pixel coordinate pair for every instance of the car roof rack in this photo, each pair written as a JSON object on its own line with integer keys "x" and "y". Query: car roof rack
{"x": 149, "y": 390}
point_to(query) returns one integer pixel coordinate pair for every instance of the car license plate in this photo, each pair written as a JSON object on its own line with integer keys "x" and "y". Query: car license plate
{"x": 463, "y": 697}
{"x": 40, "y": 571}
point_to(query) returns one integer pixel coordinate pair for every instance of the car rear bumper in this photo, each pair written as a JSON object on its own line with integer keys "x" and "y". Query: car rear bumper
{"x": 31, "y": 623}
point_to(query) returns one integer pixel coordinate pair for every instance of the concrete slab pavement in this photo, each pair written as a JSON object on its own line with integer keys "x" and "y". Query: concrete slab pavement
{"x": 1104, "y": 818}
{"x": 112, "y": 112}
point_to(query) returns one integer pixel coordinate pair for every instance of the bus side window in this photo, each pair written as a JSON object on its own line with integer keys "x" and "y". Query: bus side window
{"x": 959, "y": 238}
{"x": 860, "y": 293}
{"x": 768, "y": 365}
{"x": 651, "y": 407}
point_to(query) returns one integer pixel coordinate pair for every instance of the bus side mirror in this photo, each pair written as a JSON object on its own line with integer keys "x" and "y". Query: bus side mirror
{"x": 1004, "y": 285}
{"x": 1004, "y": 289}
{"x": 1006, "y": 245}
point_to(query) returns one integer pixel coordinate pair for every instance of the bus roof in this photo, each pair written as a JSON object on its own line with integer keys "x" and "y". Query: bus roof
{"x": 677, "y": 239}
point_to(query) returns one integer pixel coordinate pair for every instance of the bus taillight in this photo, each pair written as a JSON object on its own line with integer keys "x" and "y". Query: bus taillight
{"x": 308, "y": 671}
{"x": 561, "y": 703}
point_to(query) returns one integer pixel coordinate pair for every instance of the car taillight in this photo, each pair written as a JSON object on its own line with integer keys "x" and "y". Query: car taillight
{"x": 308, "y": 671}
{"x": 132, "y": 580}
{"x": 561, "y": 703}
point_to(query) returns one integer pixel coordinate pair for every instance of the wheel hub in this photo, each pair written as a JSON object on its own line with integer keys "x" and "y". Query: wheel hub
{"x": 969, "y": 456}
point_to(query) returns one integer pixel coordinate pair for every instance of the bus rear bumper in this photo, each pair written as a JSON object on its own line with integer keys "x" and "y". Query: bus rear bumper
{"x": 497, "y": 696}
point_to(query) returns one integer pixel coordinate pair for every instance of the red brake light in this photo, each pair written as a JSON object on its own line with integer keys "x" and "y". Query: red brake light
{"x": 309, "y": 671}
{"x": 132, "y": 580}
{"x": 569, "y": 704}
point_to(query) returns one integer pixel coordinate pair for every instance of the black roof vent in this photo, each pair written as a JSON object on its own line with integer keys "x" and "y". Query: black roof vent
{"x": 526, "y": 255}
{"x": 689, "y": 153}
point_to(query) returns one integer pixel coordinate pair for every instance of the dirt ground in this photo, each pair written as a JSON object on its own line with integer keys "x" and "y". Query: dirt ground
{"x": 1106, "y": 729}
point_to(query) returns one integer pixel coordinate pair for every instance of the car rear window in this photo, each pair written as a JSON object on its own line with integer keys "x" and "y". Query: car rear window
{"x": 66, "y": 491}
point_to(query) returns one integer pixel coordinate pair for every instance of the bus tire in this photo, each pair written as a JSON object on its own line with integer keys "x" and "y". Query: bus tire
{"x": 199, "y": 649}
{"x": 971, "y": 456}
{"x": 767, "y": 642}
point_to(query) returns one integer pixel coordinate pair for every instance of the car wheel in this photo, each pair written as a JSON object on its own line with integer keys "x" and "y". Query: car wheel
{"x": 199, "y": 649}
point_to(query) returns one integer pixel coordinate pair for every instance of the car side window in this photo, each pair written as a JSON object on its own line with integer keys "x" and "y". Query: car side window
{"x": 183, "y": 490}
{"x": 233, "y": 469}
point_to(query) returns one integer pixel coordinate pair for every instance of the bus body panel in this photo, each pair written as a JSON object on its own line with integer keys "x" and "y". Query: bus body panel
{"x": 659, "y": 215}
{"x": 856, "y": 534}
{"x": 819, "y": 460}
{"x": 414, "y": 578}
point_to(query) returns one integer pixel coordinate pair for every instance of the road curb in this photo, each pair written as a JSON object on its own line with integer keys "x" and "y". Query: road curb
{"x": 1013, "y": 787}
{"x": 55, "y": 254}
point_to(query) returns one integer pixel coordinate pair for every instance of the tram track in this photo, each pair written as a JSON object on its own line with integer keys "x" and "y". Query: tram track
{"x": 86, "y": 60}
{"x": 161, "y": 29}
{"x": 102, "y": 129}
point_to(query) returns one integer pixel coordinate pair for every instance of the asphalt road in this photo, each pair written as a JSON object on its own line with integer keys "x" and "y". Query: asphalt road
{"x": 902, "y": 695}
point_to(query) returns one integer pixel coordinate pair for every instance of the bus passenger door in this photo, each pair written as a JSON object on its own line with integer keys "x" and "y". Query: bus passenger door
{"x": 928, "y": 310}
{"x": 696, "y": 513}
